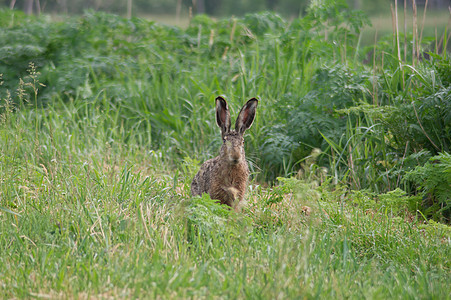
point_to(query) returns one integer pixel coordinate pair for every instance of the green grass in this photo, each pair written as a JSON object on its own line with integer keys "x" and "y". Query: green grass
{"x": 96, "y": 166}
{"x": 171, "y": 20}
{"x": 435, "y": 23}
{"x": 381, "y": 24}
{"x": 84, "y": 216}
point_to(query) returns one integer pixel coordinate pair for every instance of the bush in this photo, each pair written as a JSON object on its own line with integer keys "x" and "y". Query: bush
{"x": 433, "y": 181}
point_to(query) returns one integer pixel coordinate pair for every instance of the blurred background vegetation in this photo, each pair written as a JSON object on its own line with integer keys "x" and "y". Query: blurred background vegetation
{"x": 219, "y": 8}
{"x": 371, "y": 111}
{"x": 180, "y": 12}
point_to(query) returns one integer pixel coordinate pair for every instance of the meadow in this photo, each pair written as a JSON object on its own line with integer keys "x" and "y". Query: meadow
{"x": 105, "y": 120}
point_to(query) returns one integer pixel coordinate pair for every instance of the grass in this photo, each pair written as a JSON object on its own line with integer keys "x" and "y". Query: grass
{"x": 168, "y": 19}
{"x": 83, "y": 216}
{"x": 435, "y": 23}
{"x": 95, "y": 168}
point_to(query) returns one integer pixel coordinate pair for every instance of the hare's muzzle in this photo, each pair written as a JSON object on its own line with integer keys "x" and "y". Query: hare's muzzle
{"x": 232, "y": 152}
{"x": 234, "y": 157}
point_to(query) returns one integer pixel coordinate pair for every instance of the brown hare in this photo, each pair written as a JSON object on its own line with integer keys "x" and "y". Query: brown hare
{"x": 225, "y": 177}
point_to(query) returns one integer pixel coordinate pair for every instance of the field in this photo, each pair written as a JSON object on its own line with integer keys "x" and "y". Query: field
{"x": 105, "y": 121}
{"x": 380, "y": 24}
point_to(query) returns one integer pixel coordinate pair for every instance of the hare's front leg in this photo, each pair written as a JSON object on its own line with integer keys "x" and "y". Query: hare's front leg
{"x": 231, "y": 196}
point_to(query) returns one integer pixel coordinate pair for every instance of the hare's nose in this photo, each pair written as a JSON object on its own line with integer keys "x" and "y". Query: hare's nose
{"x": 234, "y": 158}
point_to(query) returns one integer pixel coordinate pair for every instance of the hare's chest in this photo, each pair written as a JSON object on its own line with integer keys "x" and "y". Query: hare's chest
{"x": 233, "y": 178}
{"x": 229, "y": 185}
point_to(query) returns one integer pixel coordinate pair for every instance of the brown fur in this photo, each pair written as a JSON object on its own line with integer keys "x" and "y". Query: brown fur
{"x": 225, "y": 177}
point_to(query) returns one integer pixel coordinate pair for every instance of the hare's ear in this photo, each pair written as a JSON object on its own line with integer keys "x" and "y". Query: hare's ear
{"x": 222, "y": 115}
{"x": 246, "y": 116}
